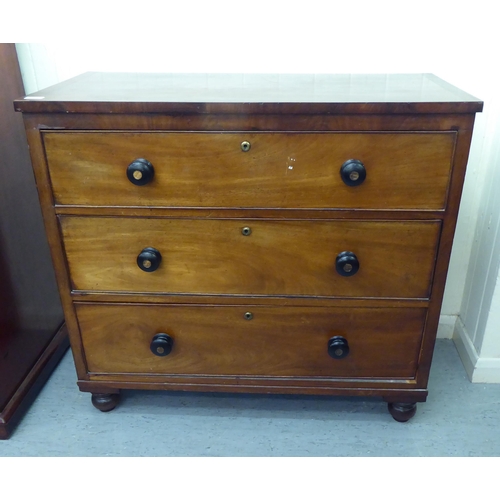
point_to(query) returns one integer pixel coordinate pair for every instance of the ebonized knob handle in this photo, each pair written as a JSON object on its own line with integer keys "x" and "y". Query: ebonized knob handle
{"x": 353, "y": 172}
{"x": 338, "y": 347}
{"x": 162, "y": 344}
{"x": 149, "y": 259}
{"x": 347, "y": 264}
{"x": 140, "y": 172}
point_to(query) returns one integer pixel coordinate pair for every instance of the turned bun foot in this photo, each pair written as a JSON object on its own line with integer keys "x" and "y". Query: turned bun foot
{"x": 105, "y": 402}
{"x": 402, "y": 412}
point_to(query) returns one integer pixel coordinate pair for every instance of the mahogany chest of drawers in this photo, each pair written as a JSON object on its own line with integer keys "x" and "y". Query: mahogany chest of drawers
{"x": 251, "y": 233}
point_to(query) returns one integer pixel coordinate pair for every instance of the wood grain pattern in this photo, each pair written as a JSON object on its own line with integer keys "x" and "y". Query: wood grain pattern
{"x": 445, "y": 248}
{"x": 251, "y": 93}
{"x": 238, "y": 122}
{"x": 413, "y": 133}
{"x": 32, "y": 383}
{"x": 251, "y": 213}
{"x": 271, "y": 300}
{"x": 278, "y": 258}
{"x": 276, "y": 342}
{"x": 293, "y": 170}
{"x": 107, "y": 382}
{"x": 30, "y": 309}
{"x": 388, "y": 389}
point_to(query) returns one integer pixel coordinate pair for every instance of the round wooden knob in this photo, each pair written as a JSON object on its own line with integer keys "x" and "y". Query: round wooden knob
{"x": 149, "y": 259}
{"x": 338, "y": 347}
{"x": 353, "y": 172}
{"x": 347, "y": 264}
{"x": 140, "y": 172}
{"x": 162, "y": 344}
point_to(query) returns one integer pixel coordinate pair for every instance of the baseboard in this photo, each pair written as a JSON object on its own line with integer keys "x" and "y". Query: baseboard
{"x": 446, "y": 326}
{"x": 479, "y": 370}
{"x": 465, "y": 348}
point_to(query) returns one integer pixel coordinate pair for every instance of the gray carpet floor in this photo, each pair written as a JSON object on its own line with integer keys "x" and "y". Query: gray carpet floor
{"x": 459, "y": 419}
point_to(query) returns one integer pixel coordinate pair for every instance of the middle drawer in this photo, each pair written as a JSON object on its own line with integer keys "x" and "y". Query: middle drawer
{"x": 342, "y": 258}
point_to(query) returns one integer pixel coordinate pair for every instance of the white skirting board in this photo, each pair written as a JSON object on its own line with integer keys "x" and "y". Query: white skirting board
{"x": 480, "y": 370}
{"x": 446, "y": 326}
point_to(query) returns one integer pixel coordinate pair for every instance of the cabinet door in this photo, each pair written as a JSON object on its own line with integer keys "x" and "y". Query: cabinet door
{"x": 30, "y": 309}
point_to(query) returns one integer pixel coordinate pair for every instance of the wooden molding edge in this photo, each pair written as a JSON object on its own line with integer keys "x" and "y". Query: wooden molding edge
{"x": 27, "y": 392}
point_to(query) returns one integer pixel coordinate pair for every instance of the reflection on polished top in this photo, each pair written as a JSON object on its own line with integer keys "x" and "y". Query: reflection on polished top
{"x": 251, "y": 93}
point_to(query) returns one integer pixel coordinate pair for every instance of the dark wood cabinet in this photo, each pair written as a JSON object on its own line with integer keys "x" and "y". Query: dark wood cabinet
{"x": 32, "y": 336}
{"x": 252, "y": 233}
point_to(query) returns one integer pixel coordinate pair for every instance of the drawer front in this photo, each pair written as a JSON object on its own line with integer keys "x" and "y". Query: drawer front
{"x": 277, "y": 341}
{"x": 280, "y": 170}
{"x": 396, "y": 259}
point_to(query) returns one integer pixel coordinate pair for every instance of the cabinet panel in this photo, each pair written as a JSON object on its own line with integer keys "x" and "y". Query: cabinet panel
{"x": 396, "y": 259}
{"x": 31, "y": 341}
{"x": 276, "y": 341}
{"x": 293, "y": 170}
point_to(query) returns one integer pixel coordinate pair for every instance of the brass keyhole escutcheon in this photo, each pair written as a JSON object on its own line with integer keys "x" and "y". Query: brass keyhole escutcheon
{"x": 245, "y": 146}
{"x": 246, "y": 231}
{"x": 146, "y": 263}
{"x": 248, "y": 316}
{"x": 137, "y": 175}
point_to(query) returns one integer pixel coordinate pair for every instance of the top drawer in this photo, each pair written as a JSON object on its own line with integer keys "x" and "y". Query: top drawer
{"x": 279, "y": 170}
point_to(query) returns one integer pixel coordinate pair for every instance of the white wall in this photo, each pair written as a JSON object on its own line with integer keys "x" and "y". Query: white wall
{"x": 477, "y": 333}
{"x": 448, "y": 38}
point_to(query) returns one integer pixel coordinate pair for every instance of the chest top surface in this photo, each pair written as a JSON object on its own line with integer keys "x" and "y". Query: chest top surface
{"x": 95, "y": 92}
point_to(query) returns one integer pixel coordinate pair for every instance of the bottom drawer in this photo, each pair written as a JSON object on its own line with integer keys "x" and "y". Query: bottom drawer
{"x": 270, "y": 341}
